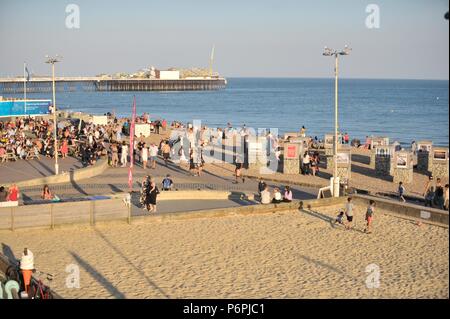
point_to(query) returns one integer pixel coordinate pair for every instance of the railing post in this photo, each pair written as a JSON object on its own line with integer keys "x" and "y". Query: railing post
{"x": 52, "y": 221}
{"x": 91, "y": 213}
{"x": 129, "y": 213}
{"x": 12, "y": 218}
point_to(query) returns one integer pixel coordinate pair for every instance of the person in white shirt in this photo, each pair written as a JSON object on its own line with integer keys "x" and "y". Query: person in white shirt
{"x": 306, "y": 164}
{"x": 277, "y": 197}
{"x": 153, "y": 155}
{"x": 265, "y": 196}
{"x": 144, "y": 155}
{"x": 27, "y": 267}
{"x": 124, "y": 155}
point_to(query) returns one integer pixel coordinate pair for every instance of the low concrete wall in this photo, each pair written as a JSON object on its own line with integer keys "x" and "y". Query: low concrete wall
{"x": 243, "y": 210}
{"x": 201, "y": 194}
{"x": 427, "y": 214}
{"x": 75, "y": 175}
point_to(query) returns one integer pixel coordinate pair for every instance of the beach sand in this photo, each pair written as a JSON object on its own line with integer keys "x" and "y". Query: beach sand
{"x": 280, "y": 255}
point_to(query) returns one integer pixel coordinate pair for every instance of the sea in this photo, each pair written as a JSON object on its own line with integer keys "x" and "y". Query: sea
{"x": 403, "y": 110}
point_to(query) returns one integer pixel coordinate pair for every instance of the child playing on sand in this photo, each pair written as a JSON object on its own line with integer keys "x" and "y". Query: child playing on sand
{"x": 340, "y": 218}
{"x": 401, "y": 192}
{"x": 369, "y": 216}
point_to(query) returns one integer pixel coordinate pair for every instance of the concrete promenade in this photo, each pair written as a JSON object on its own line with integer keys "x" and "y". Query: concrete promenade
{"x": 22, "y": 170}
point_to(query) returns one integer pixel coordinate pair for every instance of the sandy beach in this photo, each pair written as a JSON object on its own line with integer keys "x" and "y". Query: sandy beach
{"x": 281, "y": 255}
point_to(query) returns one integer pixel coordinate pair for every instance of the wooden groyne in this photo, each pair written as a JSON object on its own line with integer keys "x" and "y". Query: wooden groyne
{"x": 44, "y": 85}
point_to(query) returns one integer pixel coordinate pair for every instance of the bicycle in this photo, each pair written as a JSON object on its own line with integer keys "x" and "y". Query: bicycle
{"x": 38, "y": 290}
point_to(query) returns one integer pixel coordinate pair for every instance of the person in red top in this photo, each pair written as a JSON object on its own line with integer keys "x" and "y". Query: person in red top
{"x": 346, "y": 138}
{"x": 13, "y": 193}
{"x": 64, "y": 148}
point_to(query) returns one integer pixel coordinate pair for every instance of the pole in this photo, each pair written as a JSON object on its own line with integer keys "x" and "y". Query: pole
{"x": 54, "y": 121}
{"x": 335, "y": 169}
{"x": 25, "y": 88}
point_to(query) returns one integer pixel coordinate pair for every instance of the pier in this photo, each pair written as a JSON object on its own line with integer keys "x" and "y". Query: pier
{"x": 72, "y": 84}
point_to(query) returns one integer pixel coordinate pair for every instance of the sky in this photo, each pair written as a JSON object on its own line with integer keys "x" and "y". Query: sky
{"x": 253, "y": 38}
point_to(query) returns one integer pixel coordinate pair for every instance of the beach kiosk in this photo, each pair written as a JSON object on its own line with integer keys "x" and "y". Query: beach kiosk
{"x": 424, "y": 156}
{"x": 440, "y": 161}
{"x": 291, "y": 158}
{"x": 374, "y": 142}
{"x": 344, "y": 163}
{"x": 403, "y": 167}
{"x": 384, "y": 159}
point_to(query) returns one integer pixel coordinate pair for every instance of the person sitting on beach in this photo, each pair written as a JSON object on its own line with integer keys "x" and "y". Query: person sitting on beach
{"x": 369, "y": 216}
{"x": 167, "y": 183}
{"x": 287, "y": 198}
{"x": 340, "y": 218}
{"x": 3, "y": 194}
{"x": 13, "y": 193}
{"x": 401, "y": 192}
{"x": 46, "y": 193}
{"x": 265, "y": 196}
{"x": 261, "y": 186}
{"x": 277, "y": 197}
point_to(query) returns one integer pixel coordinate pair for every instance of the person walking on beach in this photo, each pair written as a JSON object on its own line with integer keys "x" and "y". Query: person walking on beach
{"x": 153, "y": 193}
{"x": 144, "y": 155}
{"x": 401, "y": 192}
{"x": 349, "y": 213}
{"x": 369, "y": 216}
{"x": 64, "y": 148}
{"x": 124, "y": 154}
{"x": 115, "y": 155}
{"x": 165, "y": 149}
{"x": 26, "y": 268}
{"x": 238, "y": 169}
{"x": 153, "y": 155}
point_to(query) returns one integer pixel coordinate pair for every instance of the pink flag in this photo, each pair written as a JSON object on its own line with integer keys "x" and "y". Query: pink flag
{"x": 130, "y": 170}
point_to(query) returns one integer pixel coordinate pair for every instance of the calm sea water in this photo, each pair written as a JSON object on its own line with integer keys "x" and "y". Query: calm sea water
{"x": 404, "y": 110}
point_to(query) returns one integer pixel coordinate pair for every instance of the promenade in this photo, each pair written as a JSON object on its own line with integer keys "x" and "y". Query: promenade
{"x": 23, "y": 170}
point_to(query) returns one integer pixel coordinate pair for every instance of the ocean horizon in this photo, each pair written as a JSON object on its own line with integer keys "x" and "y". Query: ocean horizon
{"x": 405, "y": 110}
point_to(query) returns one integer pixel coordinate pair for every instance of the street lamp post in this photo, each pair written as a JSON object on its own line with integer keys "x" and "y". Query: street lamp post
{"x": 336, "y": 54}
{"x": 52, "y": 61}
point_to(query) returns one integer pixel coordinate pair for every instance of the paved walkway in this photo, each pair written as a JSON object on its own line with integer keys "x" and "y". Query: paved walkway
{"x": 23, "y": 170}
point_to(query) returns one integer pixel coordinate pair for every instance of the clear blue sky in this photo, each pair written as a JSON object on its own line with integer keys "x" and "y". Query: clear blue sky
{"x": 253, "y": 38}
